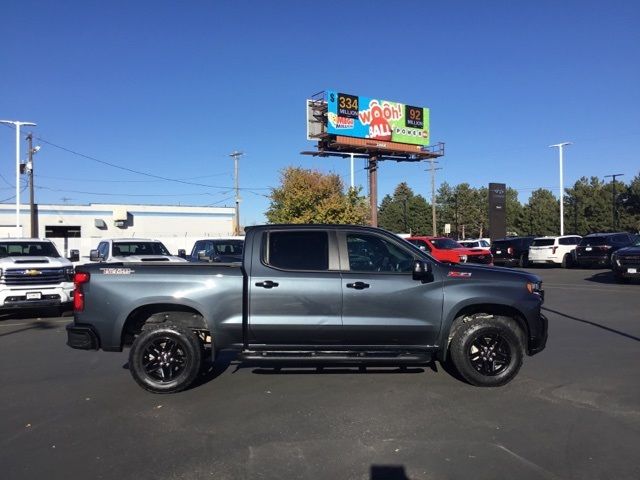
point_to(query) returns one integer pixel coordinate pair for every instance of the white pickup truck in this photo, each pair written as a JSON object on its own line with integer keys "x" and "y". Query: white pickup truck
{"x": 34, "y": 275}
{"x": 128, "y": 250}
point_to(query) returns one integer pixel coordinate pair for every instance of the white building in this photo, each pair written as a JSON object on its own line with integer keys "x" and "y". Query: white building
{"x": 81, "y": 227}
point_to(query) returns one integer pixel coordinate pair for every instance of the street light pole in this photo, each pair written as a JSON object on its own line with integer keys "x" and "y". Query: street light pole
{"x": 614, "y": 210}
{"x": 18, "y": 124}
{"x": 560, "y": 151}
{"x": 236, "y": 226}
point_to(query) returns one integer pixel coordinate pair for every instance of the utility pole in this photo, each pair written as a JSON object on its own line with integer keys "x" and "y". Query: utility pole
{"x": 432, "y": 169}
{"x": 236, "y": 224}
{"x": 373, "y": 188}
{"x": 614, "y": 209}
{"x": 32, "y": 205}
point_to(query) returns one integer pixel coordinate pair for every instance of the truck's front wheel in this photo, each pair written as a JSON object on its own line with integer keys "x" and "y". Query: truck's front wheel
{"x": 488, "y": 351}
{"x": 165, "y": 358}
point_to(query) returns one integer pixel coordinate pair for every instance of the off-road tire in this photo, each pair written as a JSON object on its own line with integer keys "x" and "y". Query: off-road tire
{"x": 180, "y": 365}
{"x": 508, "y": 350}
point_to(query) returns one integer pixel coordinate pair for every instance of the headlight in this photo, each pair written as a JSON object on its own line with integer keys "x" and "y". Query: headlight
{"x": 68, "y": 273}
{"x": 615, "y": 259}
{"x": 463, "y": 258}
{"x": 534, "y": 287}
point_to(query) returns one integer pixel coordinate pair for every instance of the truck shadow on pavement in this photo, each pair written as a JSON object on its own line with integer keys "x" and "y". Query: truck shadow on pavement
{"x": 37, "y": 325}
{"x": 593, "y": 324}
{"x": 36, "y": 313}
{"x": 388, "y": 472}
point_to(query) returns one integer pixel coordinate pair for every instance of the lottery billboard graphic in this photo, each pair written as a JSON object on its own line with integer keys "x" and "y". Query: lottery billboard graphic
{"x": 362, "y": 117}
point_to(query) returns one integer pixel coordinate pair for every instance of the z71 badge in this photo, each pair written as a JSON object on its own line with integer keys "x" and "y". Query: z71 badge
{"x": 117, "y": 271}
{"x": 459, "y": 274}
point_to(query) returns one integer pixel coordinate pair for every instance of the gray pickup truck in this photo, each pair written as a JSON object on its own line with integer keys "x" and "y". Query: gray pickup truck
{"x": 311, "y": 295}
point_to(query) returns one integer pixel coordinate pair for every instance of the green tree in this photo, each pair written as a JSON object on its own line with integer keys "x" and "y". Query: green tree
{"x": 405, "y": 212}
{"x": 540, "y": 215}
{"x": 630, "y": 206}
{"x": 310, "y": 196}
{"x": 587, "y": 207}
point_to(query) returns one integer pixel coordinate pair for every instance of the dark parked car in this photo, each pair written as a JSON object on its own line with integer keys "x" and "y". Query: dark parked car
{"x": 625, "y": 263}
{"x": 595, "y": 250}
{"x": 512, "y": 251}
{"x": 217, "y": 250}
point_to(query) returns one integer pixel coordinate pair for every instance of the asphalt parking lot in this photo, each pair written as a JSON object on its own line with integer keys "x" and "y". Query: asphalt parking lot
{"x": 572, "y": 413}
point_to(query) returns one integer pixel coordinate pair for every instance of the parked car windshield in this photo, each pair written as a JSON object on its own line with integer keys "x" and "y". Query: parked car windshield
{"x": 124, "y": 249}
{"x": 543, "y": 242}
{"x": 445, "y": 243}
{"x": 228, "y": 247}
{"x": 28, "y": 249}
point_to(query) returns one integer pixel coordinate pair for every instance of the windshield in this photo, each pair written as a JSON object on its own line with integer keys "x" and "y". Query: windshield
{"x": 543, "y": 242}
{"x": 229, "y": 247}
{"x": 445, "y": 244}
{"x": 470, "y": 244}
{"x": 28, "y": 249}
{"x": 124, "y": 249}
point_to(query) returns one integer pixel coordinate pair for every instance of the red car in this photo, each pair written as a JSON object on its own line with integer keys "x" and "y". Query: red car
{"x": 447, "y": 250}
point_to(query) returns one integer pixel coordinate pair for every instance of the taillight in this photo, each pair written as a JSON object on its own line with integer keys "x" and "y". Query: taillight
{"x": 553, "y": 250}
{"x": 510, "y": 250}
{"x": 79, "y": 279}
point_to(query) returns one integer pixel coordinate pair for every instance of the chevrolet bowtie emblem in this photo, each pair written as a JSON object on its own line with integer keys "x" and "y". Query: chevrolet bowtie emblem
{"x": 32, "y": 273}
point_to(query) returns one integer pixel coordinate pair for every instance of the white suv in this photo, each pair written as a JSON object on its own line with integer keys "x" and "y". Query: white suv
{"x": 481, "y": 243}
{"x": 554, "y": 250}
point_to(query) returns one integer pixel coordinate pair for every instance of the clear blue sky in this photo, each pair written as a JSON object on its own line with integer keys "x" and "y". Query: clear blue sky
{"x": 171, "y": 88}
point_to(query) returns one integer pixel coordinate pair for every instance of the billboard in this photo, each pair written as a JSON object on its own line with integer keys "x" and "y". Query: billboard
{"x": 497, "y": 210}
{"x": 363, "y": 117}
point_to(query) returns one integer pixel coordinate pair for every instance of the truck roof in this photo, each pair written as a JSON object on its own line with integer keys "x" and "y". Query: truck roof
{"x": 14, "y": 239}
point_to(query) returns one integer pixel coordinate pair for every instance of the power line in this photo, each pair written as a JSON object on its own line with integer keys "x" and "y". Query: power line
{"x": 138, "y": 172}
{"x": 111, "y": 194}
{"x": 93, "y": 180}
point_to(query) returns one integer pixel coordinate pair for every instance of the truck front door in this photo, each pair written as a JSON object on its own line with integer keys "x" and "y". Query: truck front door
{"x": 382, "y": 304}
{"x": 295, "y": 289}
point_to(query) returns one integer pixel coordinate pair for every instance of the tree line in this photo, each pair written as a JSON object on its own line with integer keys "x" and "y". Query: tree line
{"x": 310, "y": 196}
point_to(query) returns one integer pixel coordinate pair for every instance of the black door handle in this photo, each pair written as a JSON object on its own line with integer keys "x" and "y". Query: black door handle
{"x": 358, "y": 285}
{"x": 266, "y": 284}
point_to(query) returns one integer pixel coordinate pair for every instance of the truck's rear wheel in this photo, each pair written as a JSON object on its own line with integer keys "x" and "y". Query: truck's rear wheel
{"x": 165, "y": 358}
{"x": 488, "y": 351}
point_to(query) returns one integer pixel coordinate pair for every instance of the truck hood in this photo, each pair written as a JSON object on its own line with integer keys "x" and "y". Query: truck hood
{"x": 489, "y": 271}
{"x": 635, "y": 250}
{"x": 145, "y": 258}
{"x": 34, "y": 262}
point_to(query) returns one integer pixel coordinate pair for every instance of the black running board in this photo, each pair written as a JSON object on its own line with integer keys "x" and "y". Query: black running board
{"x": 315, "y": 357}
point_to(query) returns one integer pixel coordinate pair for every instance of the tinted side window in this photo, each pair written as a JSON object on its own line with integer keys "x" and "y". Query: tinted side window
{"x": 103, "y": 249}
{"x": 298, "y": 250}
{"x": 566, "y": 241}
{"x": 370, "y": 253}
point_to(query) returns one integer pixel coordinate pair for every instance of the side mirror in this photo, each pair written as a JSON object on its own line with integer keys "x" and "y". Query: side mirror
{"x": 421, "y": 270}
{"x": 74, "y": 256}
{"x": 94, "y": 256}
{"x": 182, "y": 253}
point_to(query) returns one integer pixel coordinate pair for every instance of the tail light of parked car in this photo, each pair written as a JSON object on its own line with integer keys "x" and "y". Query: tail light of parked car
{"x": 79, "y": 279}
{"x": 553, "y": 250}
{"x": 510, "y": 250}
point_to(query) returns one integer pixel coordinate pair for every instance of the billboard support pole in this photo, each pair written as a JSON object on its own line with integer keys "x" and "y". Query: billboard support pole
{"x": 373, "y": 189}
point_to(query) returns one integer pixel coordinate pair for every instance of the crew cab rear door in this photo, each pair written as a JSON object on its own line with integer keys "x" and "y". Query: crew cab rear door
{"x": 295, "y": 290}
{"x": 381, "y": 303}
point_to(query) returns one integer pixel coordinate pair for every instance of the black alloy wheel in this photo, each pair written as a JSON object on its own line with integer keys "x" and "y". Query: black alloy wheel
{"x": 164, "y": 359}
{"x": 489, "y": 354}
